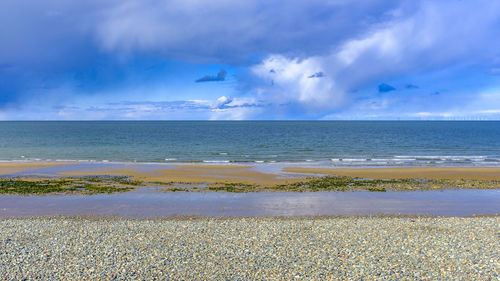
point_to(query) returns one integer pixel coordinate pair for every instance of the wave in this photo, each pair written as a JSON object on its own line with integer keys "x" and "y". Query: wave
{"x": 384, "y": 160}
{"x": 416, "y": 160}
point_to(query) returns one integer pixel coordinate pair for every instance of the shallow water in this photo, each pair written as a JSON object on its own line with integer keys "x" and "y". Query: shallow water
{"x": 148, "y": 202}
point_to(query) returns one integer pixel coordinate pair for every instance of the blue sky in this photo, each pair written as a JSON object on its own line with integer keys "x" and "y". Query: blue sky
{"x": 221, "y": 59}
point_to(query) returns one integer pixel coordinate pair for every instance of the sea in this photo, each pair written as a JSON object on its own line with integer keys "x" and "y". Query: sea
{"x": 327, "y": 143}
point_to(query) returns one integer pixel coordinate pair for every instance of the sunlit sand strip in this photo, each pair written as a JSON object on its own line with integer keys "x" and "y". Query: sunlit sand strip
{"x": 194, "y": 173}
{"x": 225, "y": 167}
{"x": 10, "y": 168}
{"x": 451, "y": 173}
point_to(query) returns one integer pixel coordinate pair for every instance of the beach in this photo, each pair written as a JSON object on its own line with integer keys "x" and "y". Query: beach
{"x": 249, "y": 140}
{"x": 102, "y": 204}
{"x": 276, "y": 212}
{"x": 8, "y": 168}
{"x": 450, "y": 173}
{"x": 239, "y": 248}
{"x": 284, "y": 175}
{"x": 141, "y": 190}
{"x": 261, "y": 174}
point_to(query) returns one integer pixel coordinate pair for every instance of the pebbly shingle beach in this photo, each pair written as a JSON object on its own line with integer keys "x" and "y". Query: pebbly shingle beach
{"x": 258, "y": 248}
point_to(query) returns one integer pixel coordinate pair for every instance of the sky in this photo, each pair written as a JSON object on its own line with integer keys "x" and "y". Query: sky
{"x": 255, "y": 60}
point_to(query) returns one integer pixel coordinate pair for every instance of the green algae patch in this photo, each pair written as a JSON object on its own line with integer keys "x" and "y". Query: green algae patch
{"x": 345, "y": 183}
{"x": 113, "y": 184}
{"x": 233, "y": 187}
{"x": 73, "y": 185}
{"x": 340, "y": 183}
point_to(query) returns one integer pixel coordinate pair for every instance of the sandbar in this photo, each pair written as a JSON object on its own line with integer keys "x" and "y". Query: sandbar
{"x": 450, "y": 173}
{"x": 194, "y": 174}
{"x": 10, "y": 168}
{"x": 247, "y": 174}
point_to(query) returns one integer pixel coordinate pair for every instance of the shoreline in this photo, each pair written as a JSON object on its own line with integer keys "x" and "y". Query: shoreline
{"x": 276, "y": 168}
{"x": 151, "y": 190}
{"x": 450, "y": 173}
{"x": 439, "y": 161}
{"x": 240, "y": 178}
{"x": 195, "y": 217}
{"x": 7, "y": 168}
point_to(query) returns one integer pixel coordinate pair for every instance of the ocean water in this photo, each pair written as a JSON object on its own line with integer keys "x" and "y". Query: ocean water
{"x": 332, "y": 143}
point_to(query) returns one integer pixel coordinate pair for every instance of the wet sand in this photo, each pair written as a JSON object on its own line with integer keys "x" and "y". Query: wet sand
{"x": 253, "y": 176}
{"x": 11, "y": 168}
{"x": 262, "y": 174}
{"x": 195, "y": 174}
{"x": 451, "y": 173}
{"x": 152, "y": 201}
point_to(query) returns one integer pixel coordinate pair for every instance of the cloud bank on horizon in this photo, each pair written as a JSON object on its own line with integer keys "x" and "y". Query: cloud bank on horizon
{"x": 174, "y": 59}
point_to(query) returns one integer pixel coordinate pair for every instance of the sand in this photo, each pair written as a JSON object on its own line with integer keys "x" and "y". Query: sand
{"x": 200, "y": 173}
{"x": 451, "y": 173}
{"x": 195, "y": 174}
{"x": 246, "y": 174}
{"x": 10, "y": 168}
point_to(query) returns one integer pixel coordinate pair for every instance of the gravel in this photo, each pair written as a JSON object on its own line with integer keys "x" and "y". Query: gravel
{"x": 321, "y": 248}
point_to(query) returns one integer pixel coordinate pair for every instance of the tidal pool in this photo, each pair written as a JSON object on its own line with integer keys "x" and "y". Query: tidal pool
{"x": 148, "y": 202}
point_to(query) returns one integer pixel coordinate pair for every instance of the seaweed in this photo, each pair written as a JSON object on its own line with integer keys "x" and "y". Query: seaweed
{"x": 112, "y": 184}
{"x": 80, "y": 185}
{"x": 232, "y": 187}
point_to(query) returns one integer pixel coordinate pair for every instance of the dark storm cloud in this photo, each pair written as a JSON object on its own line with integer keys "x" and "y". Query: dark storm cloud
{"x": 411, "y": 86}
{"x": 384, "y": 88}
{"x": 316, "y": 75}
{"x": 221, "y": 76}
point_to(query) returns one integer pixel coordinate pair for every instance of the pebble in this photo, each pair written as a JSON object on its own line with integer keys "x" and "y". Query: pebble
{"x": 321, "y": 248}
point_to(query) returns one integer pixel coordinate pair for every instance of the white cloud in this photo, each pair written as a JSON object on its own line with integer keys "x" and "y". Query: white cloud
{"x": 352, "y": 45}
{"x": 288, "y": 80}
{"x": 227, "y": 108}
{"x": 222, "y": 101}
{"x": 426, "y": 39}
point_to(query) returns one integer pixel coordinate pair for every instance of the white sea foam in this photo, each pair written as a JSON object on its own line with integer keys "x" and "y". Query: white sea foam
{"x": 215, "y": 161}
{"x": 397, "y": 160}
{"x": 412, "y": 160}
{"x": 442, "y": 156}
